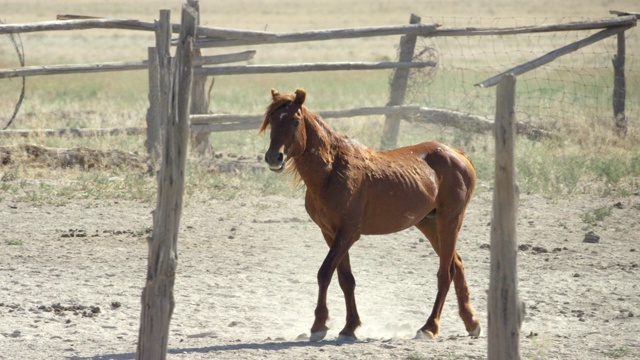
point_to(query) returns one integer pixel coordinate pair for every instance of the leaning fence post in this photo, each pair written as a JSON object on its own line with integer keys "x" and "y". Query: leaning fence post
{"x": 159, "y": 83}
{"x": 152, "y": 144}
{"x": 157, "y": 296}
{"x": 399, "y": 87}
{"x": 199, "y": 102}
{"x": 504, "y": 307}
{"x": 619, "y": 87}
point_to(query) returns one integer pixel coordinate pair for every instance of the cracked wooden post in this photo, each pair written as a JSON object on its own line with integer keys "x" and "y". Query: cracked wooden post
{"x": 157, "y": 296}
{"x": 200, "y": 143}
{"x": 619, "y": 87}
{"x": 399, "y": 88}
{"x": 153, "y": 141}
{"x": 504, "y": 307}
{"x": 159, "y": 83}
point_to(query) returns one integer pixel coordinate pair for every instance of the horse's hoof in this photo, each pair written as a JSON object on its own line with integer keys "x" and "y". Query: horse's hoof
{"x": 317, "y": 336}
{"x": 476, "y": 332}
{"x": 347, "y": 338}
{"x": 425, "y": 335}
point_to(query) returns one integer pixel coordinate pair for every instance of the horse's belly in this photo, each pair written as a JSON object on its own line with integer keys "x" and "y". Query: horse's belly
{"x": 399, "y": 199}
{"x": 396, "y": 214}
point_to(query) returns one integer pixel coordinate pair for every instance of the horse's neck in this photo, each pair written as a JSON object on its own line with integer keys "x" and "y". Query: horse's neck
{"x": 316, "y": 161}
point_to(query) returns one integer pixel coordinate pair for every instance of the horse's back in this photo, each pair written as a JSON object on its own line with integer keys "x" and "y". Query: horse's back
{"x": 452, "y": 167}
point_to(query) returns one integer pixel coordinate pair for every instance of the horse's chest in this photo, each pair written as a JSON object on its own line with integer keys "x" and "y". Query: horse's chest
{"x": 325, "y": 210}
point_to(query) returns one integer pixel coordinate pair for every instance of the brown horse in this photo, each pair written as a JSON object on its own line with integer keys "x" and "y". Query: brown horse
{"x": 352, "y": 190}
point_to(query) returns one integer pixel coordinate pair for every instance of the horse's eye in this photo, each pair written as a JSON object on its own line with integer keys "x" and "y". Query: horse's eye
{"x": 296, "y": 123}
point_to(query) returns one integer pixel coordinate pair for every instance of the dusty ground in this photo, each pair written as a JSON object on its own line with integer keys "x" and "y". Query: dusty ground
{"x": 71, "y": 280}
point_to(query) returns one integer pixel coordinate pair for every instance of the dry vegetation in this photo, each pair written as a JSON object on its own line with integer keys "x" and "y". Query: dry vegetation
{"x": 586, "y": 157}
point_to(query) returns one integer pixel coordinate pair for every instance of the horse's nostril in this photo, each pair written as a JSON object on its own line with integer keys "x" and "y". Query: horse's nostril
{"x": 268, "y": 157}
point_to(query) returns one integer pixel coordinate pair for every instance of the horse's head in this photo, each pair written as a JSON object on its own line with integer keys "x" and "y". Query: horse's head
{"x": 288, "y": 135}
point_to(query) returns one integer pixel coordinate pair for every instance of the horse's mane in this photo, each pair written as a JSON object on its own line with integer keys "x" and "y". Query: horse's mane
{"x": 279, "y": 101}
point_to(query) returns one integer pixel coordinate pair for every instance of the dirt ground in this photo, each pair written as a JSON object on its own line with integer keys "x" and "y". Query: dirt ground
{"x": 71, "y": 279}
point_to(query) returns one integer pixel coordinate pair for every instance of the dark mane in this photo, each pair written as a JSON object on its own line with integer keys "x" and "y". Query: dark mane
{"x": 280, "y": 101}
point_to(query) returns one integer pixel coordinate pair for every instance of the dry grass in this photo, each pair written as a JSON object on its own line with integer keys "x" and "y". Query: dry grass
{"x": 120, "y": 99}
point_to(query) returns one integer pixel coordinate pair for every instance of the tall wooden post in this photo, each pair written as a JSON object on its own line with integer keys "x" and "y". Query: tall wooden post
{"x": 157, "y": 296}
{"x": 159, "y": 84}
{"x": 619, "y": 87}
{"x": 505, "y": 309}
{"x": 399, "y": 88}
{"x": 153, "y": 141}
{"x": 200, "y": 143}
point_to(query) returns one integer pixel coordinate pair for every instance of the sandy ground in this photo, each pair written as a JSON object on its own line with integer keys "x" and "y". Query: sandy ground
{"x": 71, "y": 280}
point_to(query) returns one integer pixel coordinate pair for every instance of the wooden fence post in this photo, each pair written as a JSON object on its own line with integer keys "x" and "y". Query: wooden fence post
{"x": 399, "y": 87}
{"x": 157, "y": 296}
{"x": 199, "y": 102}
{"x": 159, "y": 84}
{"x": 619, "y": 87}
{"x": 153, "y": 141}
{"x": 504, "y": 307}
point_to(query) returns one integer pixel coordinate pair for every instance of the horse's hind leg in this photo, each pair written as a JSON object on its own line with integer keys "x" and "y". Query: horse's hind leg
{"x": 451, "y": 268}
{"x": 348, "y": 286}
{"x": 464, "y": 304}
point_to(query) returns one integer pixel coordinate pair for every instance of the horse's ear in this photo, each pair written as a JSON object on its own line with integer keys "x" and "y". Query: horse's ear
{"x": 300, "y": 96}
{"x": 274, "y": 93}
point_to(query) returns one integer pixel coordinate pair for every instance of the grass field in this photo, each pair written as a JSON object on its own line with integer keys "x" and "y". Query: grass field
{"x": 586, "y": 157}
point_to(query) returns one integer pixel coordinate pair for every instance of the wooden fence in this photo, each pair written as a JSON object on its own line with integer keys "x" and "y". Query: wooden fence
{"x": 205, "y": 66}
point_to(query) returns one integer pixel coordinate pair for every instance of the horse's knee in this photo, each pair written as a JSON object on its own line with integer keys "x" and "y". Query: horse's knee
{"x": 452, "y": 269}
{"x": 448, "y": 274}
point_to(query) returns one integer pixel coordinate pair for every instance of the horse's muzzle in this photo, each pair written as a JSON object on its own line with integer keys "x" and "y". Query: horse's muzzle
{"x": 275, "y": 160}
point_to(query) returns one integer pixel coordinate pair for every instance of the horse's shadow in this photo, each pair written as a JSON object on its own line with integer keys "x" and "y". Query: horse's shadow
{"x": 272, "y": 346}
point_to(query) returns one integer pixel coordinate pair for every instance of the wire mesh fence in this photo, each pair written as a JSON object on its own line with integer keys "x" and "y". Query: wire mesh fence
{"x": 577, "y": 86}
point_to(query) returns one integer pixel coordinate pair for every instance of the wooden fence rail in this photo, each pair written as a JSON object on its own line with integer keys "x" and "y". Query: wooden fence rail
{"x": 213, "y": 36}
{"x": 242, "y": 38}
{"x": 223, "y": 33}
{"x": 223, "y": 122}
{"x": 564, "y": 50}
{"x": 72, "y": 132}
{"x": 234, "y": 122}
{"x": 410, "y": 113}
{"x": 117, "y": 66}
{"x": 621, "y": 21}
{"x": 272, "y": 69}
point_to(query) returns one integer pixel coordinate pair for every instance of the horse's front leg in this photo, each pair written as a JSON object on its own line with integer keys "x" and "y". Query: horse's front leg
{"x": 339, "y": 248}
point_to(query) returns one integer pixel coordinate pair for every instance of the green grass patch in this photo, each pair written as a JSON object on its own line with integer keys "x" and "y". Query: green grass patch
{"x": 596, "y": 215}
{"x": 617, "y": 353}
